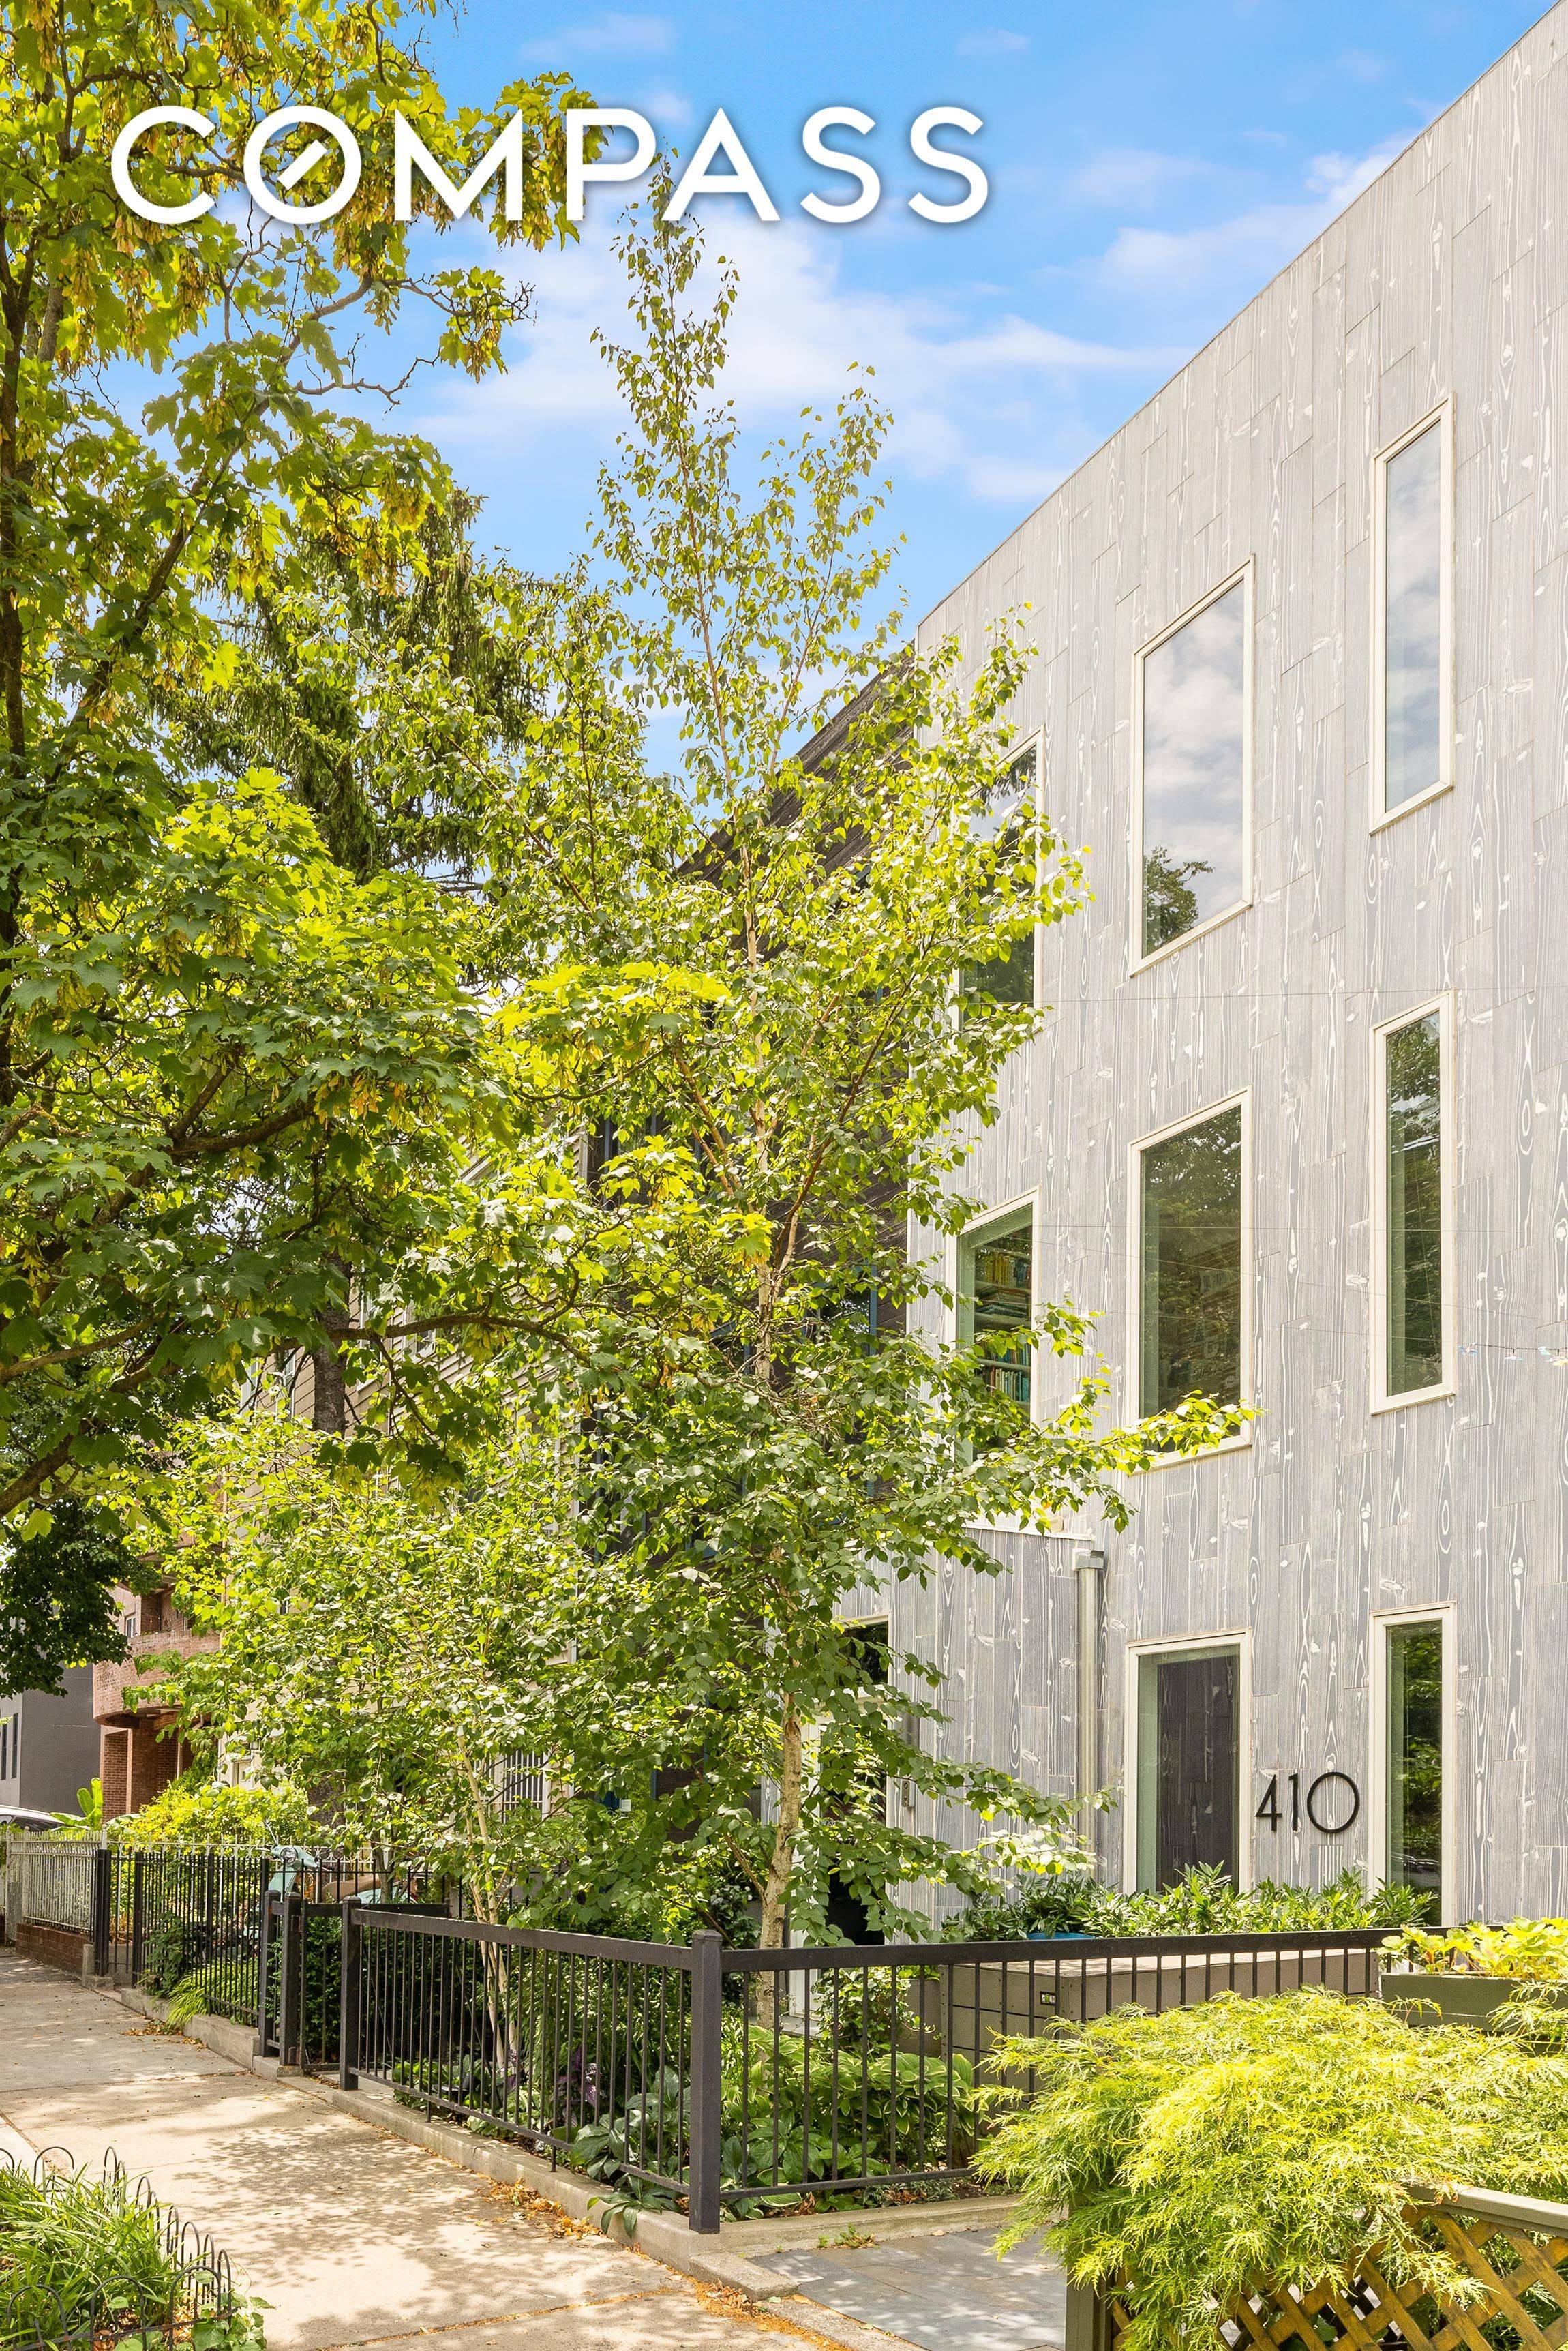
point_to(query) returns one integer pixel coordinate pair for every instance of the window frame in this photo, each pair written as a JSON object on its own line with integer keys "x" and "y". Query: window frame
{"x": 1244, "y": 577}
{"x": 1186, "y": 1644}
{"x": 1383, "y": 1621}
{"x": 971, "y": 1235}
{"x": 1241, "y": 1099}
{"x": 1379, "y": 813}
{"x": 1442, "y": 1004}
{"x": 1034, "y": 739}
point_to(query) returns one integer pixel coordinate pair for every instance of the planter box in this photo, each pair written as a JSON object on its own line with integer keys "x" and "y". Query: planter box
{"x": 1456, "y": 1998}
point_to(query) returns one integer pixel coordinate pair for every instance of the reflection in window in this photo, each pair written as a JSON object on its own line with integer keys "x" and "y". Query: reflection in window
{"x": 1190, "y": 1296}
{"x": 1413, "y": 619}
{"x": 1010, "y": 813}
{"x": 1414, "y": 1759}
{"x": 1413, "y": 1272}
{"x": 1193, "y": 770}
{"x": 999, "y": 1296}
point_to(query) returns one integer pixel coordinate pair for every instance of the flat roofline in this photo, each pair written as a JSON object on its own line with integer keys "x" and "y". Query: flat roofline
{"x": 1284, "y": 271}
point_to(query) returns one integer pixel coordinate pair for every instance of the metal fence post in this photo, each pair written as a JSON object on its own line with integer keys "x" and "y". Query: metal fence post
{"x": 702, "y": 2211}
{"x": 348, "y": 1997}
{"x": 138, "y": 1917}
{"x": 263, "y": 1958}
{"x": 290, "y": 1971}
{"x": 102, "y": 1900}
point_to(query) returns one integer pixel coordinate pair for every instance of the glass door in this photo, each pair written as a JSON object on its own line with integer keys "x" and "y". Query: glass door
{"x": 1412, "y": 1761}
{"x": 1189, "y": 1764}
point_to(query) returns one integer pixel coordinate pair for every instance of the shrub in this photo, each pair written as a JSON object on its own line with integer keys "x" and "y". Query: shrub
{"x": 193, "y": 1812}
{"x": 1199, "y": 2152}
{"x": 1529, "y": 1950}
{"x": 1201, "y": 1901}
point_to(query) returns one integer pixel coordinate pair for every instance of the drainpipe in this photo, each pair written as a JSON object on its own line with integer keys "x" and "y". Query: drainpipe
{"x": 1090, "y": 1565}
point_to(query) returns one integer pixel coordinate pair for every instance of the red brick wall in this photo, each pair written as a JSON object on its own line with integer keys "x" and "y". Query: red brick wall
{"x": 57, "y": 1946}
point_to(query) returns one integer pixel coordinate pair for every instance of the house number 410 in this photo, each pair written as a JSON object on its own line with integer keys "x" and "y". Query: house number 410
{"x": 1331, "y": 1803}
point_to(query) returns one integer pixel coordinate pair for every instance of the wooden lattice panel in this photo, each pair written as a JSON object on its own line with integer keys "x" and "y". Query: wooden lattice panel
{"x": 1523, "y": 2304}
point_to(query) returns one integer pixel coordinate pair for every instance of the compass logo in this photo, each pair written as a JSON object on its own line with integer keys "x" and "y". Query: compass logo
{"x": 719, "y": 166}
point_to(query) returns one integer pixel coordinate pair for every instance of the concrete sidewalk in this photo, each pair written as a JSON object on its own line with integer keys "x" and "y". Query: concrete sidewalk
{"x": 353, "y": 2237}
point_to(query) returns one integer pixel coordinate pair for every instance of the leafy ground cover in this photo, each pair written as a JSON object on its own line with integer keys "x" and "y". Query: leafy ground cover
{"x": 1183, "y": 2157}
{"x": 88, "y": 2262}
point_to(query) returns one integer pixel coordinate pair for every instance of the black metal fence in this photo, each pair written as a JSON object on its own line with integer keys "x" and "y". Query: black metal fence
{"x": 723, "y": 2080}
{"x": 739, "y": 2080}
{"x": 164, "y": 2283}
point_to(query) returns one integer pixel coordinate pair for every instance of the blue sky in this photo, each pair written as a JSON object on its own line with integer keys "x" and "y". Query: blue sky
{"x": 1152, "y": 165}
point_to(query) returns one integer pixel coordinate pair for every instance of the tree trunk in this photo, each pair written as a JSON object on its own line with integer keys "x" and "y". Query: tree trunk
{"x": 775, "y": 1892}
{"x": 329, "y": 1391}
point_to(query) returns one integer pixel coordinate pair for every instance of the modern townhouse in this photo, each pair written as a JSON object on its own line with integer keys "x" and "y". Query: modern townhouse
{"x": 1296, "y": 1126}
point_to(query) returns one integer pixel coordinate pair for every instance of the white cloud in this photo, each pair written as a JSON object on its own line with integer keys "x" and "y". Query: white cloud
{"x": 1231, "y": 258}
{"x": 979, "y": 403}
{"x": 614, "y": 33}
{"x": 992, "y": 45}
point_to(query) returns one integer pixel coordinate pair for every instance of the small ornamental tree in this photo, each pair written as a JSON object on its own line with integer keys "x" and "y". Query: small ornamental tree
{"x": 780, "y": 1083}
{"x": 239, "y": 1084}
{"x": 383, "y": 1651}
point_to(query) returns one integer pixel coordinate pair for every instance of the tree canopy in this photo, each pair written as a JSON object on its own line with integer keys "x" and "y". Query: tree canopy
{"x": 239, "y": 1057}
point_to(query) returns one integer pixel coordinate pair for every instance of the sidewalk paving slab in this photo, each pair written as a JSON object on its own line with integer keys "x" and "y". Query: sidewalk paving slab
{"x": 941, "y": 2293}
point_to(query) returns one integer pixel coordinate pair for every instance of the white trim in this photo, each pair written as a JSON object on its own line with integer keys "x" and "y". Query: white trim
{"x": 1444, "y": 1615}
{"x": 1380, "y": 814}
{"x": 1241, "y": 1099}
{"x": 1442, "y": 1004}
{"x": 958, "y": 1242}
{"x": 1242, "y": 576}
{"x": 1240, "y": 1640}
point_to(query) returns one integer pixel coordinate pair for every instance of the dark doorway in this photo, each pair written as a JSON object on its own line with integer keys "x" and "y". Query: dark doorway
{"x": 1189, "y": 1765}
{"x": 868, "y": 1643}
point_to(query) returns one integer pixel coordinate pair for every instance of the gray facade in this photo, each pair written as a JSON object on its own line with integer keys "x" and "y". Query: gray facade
{"x": 1441, "y": 293}
{"x": 48, "y": 1745}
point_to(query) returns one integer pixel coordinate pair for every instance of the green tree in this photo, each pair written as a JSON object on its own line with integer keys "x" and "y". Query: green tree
{"x": 238, "y": 1083}
{"x": 56, "y": 1597}
{"x": 776, "y": 1071}
{"x": 383, "y": 1648}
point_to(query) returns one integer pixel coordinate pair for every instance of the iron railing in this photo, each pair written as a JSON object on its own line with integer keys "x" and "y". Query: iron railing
{"x": 739, "y": 2078}
{"x": 182, "y": 2283}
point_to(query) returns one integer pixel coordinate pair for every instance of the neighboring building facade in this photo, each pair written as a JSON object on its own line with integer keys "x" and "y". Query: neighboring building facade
{"x": 140, "y": 1750}
{"x": 1297, "y": 1124}
{"x": 49, "y": 1746}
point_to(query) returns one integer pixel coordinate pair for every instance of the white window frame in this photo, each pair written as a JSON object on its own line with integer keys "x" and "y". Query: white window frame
{"x": 1243, "y": 576}
{"x": 1383, "y": 1621}
{"x": 1380, "y": 813}
{"x": 1443, "y": 1005}
{"x": 1242, "y": 1100}
{"x": 1185, "y": 1644}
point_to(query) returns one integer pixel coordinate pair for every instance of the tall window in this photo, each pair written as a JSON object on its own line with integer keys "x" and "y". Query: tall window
{"x": 1189, "y": 1775}
{"x": 1193, "y": 760}
{"x": 1190, "y": 1295}
{"x": 1412, "y": 667}
{"x": 1413, "y": 1761}
{"x": 1414, "y": 1281}
{"x": 996, "y": 1290}
{"x": 1011, "y": 812}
